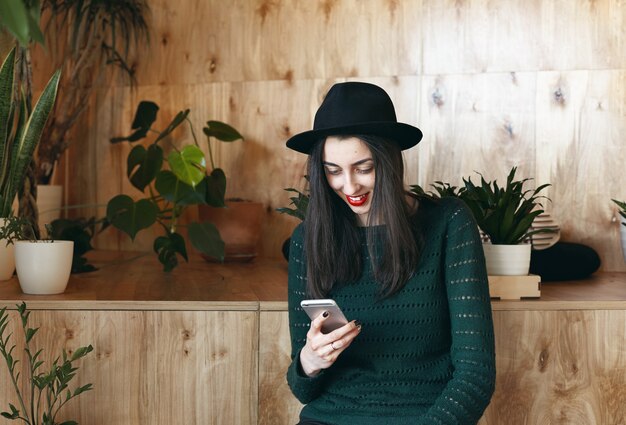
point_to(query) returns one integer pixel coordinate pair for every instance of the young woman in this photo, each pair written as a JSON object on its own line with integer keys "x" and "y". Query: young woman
{"x": 408, "y": 272}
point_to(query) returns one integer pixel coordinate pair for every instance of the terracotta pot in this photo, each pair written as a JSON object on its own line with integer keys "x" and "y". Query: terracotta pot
{"x": 239, "y": 225}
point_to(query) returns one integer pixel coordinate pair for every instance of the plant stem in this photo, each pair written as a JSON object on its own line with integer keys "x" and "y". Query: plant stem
{"x": 3, "y": 351}
{"x": 208, "y": 142}
{"x": 193, "y": 133}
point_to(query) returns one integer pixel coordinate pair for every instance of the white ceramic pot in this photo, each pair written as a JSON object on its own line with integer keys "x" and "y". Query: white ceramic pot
{"x": 43, "y": 267}
{"x": 7, "y": 258}
{"x": 623, "y": 233}
{"x": 507, "y": 260}
{"x": 49, "y": 200}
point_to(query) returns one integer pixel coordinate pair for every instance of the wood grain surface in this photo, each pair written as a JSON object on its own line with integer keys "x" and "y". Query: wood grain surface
{"x": 153, "y": 367}
{"x": 536, "y": 84}
{"x": 209, "y": 344}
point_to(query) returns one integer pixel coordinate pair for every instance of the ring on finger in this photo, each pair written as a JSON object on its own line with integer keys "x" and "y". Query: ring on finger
{"x": 332, "y": 345}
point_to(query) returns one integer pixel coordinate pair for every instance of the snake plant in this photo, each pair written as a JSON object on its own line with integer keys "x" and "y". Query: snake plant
{"x": 20, "y": 130}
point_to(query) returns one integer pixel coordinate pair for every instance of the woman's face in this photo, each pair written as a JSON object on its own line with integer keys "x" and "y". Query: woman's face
{"x": 349, "y": 169}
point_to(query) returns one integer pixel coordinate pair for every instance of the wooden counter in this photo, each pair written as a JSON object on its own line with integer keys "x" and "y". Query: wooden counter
{"x": 209, "y": 344}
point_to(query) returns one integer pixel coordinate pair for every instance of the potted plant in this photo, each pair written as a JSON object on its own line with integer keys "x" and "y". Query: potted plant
{"x": 47, "y": 392}
{"x": 300, "y": 203}
{"x": 20, "y": 132}
{"x": 86, "y": 39}
{"x": 43, "y": 266}
{"x": 183, "y": 182}
{"x": 622, "y": 213}
{"x": 505, "y": 215}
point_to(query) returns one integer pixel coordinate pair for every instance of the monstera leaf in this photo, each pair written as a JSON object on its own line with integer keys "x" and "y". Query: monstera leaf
{"x": 188, "y": 165}
{"x": 143, "y": 165}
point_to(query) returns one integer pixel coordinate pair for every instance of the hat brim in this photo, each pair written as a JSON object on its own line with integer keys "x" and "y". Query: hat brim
{"x": 405, "y": 135}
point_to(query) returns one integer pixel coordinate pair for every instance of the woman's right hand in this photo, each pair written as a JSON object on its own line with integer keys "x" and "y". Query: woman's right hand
{"x": 322, "y": 350}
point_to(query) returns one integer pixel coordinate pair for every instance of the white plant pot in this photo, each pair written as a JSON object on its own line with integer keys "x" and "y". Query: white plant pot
{"x": 507, "y": 260}
{"x": 623, "y": 233}
{"x": 7, "y": 258}
{"x": 43, "y": 267}
{"x": 49, "y": 200}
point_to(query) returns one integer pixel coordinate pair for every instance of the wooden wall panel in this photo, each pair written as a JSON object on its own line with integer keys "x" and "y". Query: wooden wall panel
{"x": 277, "y": 405}
{"x": 258, "y": 40}
{"x": 477, "y": 122}
{"x": 522, "y": 35}
{"x": 581, "y": 122}
{"x": 553, "y": 367}
{"x": 154, "y": 367}
{"x": 562, "y": 367}
{"x": 479, "y": 77}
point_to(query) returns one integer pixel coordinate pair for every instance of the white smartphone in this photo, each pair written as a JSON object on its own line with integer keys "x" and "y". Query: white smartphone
{"x": 314, "y": 308}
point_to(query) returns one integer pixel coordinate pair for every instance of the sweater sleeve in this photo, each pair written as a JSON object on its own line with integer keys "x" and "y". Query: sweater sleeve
{"x": 303, "y": 387}
{"x": 468, "y": 393}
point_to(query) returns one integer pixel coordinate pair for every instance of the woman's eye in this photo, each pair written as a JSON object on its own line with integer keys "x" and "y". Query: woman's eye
{"x": 364, "y": 170}
{"x": 333, "y": 172}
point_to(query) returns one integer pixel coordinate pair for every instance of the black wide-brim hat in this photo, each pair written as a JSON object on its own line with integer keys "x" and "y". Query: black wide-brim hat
{"x": 356, "y": 108}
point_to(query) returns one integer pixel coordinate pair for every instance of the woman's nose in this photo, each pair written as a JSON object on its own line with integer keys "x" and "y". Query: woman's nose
{"x": 350, "y": 186}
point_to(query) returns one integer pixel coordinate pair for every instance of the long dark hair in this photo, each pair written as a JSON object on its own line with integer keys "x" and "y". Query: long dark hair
{"x": 331, "y": 241}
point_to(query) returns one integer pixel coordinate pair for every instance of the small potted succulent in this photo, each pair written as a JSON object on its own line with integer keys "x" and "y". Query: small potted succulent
{"x": 622, "y": 213}
{"x": 505, "y": 215}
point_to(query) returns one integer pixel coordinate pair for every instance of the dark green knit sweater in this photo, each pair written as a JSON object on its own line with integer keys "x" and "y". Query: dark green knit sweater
{"x": 424, "y": 355}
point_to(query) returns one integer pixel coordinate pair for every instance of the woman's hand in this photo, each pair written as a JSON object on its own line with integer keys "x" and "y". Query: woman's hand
{"x": 321, "y": 350}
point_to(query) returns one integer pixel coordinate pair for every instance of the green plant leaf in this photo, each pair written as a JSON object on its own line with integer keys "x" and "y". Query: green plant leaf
{"x": 143, "y": 165}
{"x": 174, "y": 190}
{"x": 21, "y": 20}
{"x": 26, "y": 140}
{"x": 206, "y": 238}
{"x": 14, "y": 413}
{"x": 81, "y": 352}
{"x": 167, "y": 247}
{"x": 178, "y": 120}
{"x": 145, "y": 115}
{"x": 188, "y": 165}
{"x": 221, "y": 131}
{"x": 30, "y": 333}
{"x": 216, "y": 188}
{"x": 130, "y": 217}
{"x": 7, "y": 81}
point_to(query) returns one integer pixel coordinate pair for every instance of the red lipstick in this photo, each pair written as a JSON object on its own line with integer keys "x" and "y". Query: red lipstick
{"x": 357, "y": 201}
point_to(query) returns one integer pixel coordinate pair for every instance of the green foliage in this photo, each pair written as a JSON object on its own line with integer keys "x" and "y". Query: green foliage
{"x": 48, "y": 391}
{"x": 300, "y": 203}
{"x": 504, "y": 213}
{"x": 173, "y": 184}
{"x": 86, "y": 38}
{"x": 21, "y": 18}
{"x": 17, "y": 229}
{"x": 622, "y": 211}
{"x": 20, "y": 130}
{"x": 81, "y": 231}
{"x": 442, "y": 190}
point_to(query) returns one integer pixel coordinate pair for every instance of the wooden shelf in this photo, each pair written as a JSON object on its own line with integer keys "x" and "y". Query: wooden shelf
{"x": 135, "y": 281}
